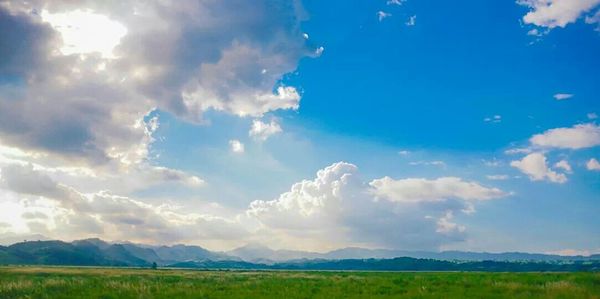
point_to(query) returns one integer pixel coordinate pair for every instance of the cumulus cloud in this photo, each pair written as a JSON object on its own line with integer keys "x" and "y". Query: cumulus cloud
{"x": 564, "y": 165}
{"x": 84, "y": 83}
{"x": 556, "y": 13}
{"x": 412, "y": 21}
{"x": 593, "y": 164}
{"x": 536, "y": 167}
{"x": 576, "y": 137}
{"x": 262, "y": 131}
{"x": 337, "y": 207}
{"x": 184, "y": 58}
{"x": 592, "y": 115}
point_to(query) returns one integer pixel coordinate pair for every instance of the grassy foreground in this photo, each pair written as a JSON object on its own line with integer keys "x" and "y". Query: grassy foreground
{"x": 55, "y": 282}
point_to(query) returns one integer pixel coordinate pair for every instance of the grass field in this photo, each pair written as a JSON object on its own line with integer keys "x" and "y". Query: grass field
{"x": 55, "y": 282}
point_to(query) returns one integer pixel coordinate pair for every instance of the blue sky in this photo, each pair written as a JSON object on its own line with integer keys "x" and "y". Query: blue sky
{"x": 305, "y": 124}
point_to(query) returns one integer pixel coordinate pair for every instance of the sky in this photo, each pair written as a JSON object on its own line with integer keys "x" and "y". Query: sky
{"x": 303, "y": 124}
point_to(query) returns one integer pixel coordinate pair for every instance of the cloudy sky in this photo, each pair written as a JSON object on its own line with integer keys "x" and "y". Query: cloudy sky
{"x": 303, "y": 124}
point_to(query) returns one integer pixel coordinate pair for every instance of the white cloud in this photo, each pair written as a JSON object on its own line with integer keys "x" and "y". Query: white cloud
{"x": 104, "y": 80}
{"x": 592, "y": 116}
{"x": 416, "y": 189}
{"x": 319, "y": 51}
{"x": 562, "y": 96}
{"x": 593, "y": 164}
{"x": 338, "y": 209}
{"x": 92, "y": 77}
{"x": 86, "y": 32}
{"x": 403, "y": 153}
{"x": 535, "y": 166}
{"x": 492, "y": 163}
{"x": 576, "y": 137}
{"x": 262, "y": 131}
{"x": 428, "y": 163}
{"x": 236, "y": 146}
{"x": 395, "y": 2}
{"x": 515, "y": 151}
{"x": 69, "y": 214}
{"x": 446, "y": 226}
{"x": 382, "y": 15}
{"x": 555, "y": 13}
{"x": 497, "y": 177}
{"x": 333, "y": 210}
{"x": 564, "y": 165}
{"x": 493, "y": 119}
{"x": 537, "y": 32}
{"x": 412, "y": 21}
{"x": 595, "y": 19}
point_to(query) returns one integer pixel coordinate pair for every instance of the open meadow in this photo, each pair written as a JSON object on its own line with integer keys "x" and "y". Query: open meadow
{"x": 72, "y": 282}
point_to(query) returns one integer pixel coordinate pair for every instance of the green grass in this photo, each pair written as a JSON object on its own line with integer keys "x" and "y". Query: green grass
{"x": 65, "y": 282}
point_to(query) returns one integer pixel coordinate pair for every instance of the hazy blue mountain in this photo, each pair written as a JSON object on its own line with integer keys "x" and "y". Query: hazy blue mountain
{"x": 187, "y": 253}
{"x": 260, "y": 253}
{"x": 362, "y": 253}
{"x": 98, "y": 252}
{"x": 146, "y": 254}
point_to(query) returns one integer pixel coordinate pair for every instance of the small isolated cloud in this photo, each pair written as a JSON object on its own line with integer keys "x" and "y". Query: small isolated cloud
{"x": 595, "y": 19}
{"x": 564, "y": 165}
{"x": 536, "y": 32}
{"x": 592, "y": 115}
{"x": 556, "y": 13}
{"x": 262, "y": 131}
{"x": 536, "y": 167}
{"x": 236, "y": 146}
{"x": 491, "y": 163}
{"x": 428, "y": 163}
{"x": 412, "y": 21}
{"x": 563, "y": 96}
{"x": 395, "y": 2}
{"x": 593, "y": 164}
{"x": 515, "y": 151}
{"x": 493, "y": 119}
{"x": 497, "y": 177}
{"x": 403, "y": 153}
{"x": 319, "y": 51}
{"x": 576, "y": 137}
{"x": 382, "y": 15}
{"x": 417, "y": 189}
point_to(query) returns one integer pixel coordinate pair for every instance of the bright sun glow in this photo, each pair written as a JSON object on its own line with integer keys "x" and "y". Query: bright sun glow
{"x": 84, "y": 31}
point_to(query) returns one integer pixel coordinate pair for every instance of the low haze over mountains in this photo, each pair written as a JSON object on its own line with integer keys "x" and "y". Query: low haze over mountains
{"x": 94, "y": 252}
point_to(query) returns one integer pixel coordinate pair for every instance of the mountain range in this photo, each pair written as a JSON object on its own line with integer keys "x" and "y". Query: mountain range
{"x": 96, "y": 252}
